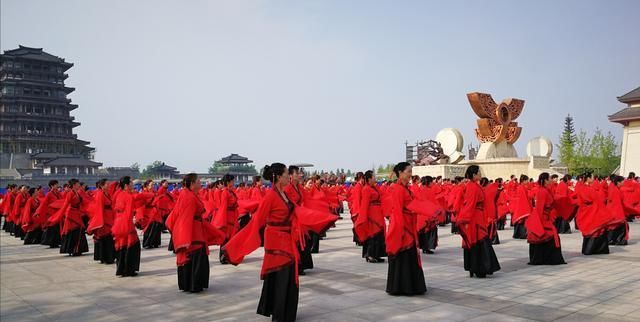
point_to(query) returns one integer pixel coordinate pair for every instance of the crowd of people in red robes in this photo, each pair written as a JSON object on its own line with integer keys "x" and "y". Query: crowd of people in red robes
{"x": 290, "y": 215}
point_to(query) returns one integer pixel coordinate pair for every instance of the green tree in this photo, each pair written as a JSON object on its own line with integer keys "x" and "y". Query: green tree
{"x": 146, "y": 173}
{"x": 567, "y": 145}
{"x": 135, "y": 166}
{"x": 599, "y": 154}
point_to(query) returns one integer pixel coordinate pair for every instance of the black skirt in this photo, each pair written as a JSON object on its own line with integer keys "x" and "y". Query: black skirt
{"x": 493, "y": 233}
{"x": 306, "y": 260}
{"x": 562, "y": 226}
{"x": 152, "y": 235}
{"x": 519, "y": 231}
{"x": 17, "y": 231}
{"x": 595, "y": 245}
{"x": 501, "y": 223}
{"x": 33, "y": 237}
{"x": 244, "y": 220}
{"x": 74, "y": 243}
{"x": 5, "y": 224}
{"x": 279, "y": 297}
{"x": 481, "y": 259}
{"x": 545, "y": 254}
{"x": 454, "y": 228}
{"x": 193, "y": 276}
{"x": 128, "y": 260}
{"x": 51, "y": 237}
{"x": 617, "y": 235}
{"x": 375, "y": 246}
{"x": 170, "y": 247}
{"x": 428, "y": 240}
{"x": 104, "y": 250}
{"x": 405, "y": 276}
{"x": 315, "y": 242}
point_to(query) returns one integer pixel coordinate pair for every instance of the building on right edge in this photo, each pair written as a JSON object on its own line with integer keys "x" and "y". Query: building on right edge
{"x": 629, "y": 117}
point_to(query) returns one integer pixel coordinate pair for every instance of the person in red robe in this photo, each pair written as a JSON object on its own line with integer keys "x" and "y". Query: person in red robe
{"x": 405, "y": 275}
{"x": 631, "y": 196}
{"x": 15, "y": 216}
{"x": 295, "y": 193}
{"x": 72, "y": 231}
{"x": 542, "y": 236}
{"x": 370, "y": 225}
{"x": 618, "y": 230}
{"x": 164, "y": 201}
{"x": 522, "y": 208}
{"x": 284, "y": 224}
{"x": 31, "y": 222}
{"x": 101, "y": 221}
{"x": 593, "y": 218}
{"x": 564, "y": 206}
{"x": 192, "y": 237}
{"x": 491, "y": 191}
{"x": 153, "y": 223}
{"x": 226, "y": 218}
{"x": 428, "y": 225}
{"x": 453, "y": 202}
{"x": 7, "y": 205}
{"x": 125, "y": 236}
{"x": 502, "y": 205}
{"x": 479, "y": 256}
{"x": 51, "y": 231}
{"x": 316, "y": 199}
{"x": 354, "y": 202}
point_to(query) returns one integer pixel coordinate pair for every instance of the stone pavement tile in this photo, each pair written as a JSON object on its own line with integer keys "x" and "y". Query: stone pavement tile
{"x": 581, "y": 317}
{"x": 496, "y": 317}
{"x": 534, "y": 312}
{"x": 332, "y": 317}
{"x": 613, "y": 317}
{"x": 441, "y": 312}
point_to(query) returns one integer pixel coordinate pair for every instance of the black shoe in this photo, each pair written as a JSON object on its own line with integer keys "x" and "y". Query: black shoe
{"x": 428, "y": 251}
{"x": 301, "y": 273}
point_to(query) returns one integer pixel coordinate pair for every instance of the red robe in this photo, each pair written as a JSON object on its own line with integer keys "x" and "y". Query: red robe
{"x": 226, "y": 218}
{"x": 523, "y": 205}
{"x": 472, "y": 219}
{"x": 100, "y": 215}
{"x": 402, "y": 232}
{"x": 123, "y": 230}
{"x": 18, "y": 205}
{"x": 616, "y": 209}
{"x": 30, "y": 220}
{"x": 284, "y": 225}
{"x": 631, "y": 197}
{"x": 189, "y": 231}
{"x": 564, "y": 206}
{"x": 592, "y": 217}
{"x": 370, "y": 221}
{"x": 540, "y": 224}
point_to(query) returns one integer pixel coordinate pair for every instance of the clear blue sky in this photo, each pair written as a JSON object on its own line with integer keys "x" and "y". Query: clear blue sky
{"x": 334, "y": 83}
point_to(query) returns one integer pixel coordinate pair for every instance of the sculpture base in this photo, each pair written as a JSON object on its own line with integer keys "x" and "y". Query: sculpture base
{"x": 492, "y": 168}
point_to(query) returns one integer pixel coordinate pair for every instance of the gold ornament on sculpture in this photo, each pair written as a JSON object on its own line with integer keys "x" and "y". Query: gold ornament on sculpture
{"x": 496, "y": 123}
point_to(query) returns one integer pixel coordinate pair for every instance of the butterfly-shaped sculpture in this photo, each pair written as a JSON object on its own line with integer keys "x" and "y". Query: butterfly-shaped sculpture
{"x": 496, "y": 123}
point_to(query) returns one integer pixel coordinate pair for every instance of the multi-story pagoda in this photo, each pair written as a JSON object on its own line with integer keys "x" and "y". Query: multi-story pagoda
{"x": 234, "y": 164}
{"x": 34, "y": 108}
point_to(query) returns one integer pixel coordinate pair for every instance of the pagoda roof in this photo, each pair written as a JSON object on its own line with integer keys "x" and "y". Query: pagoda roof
{"x": 625, "y": 115}
{"x": 51, "y": 155}
{"x": 235, "y": 158}
{"x": 65, "y": 161}
{"x": 164, "y": 167}
{"x": 633, "y": 96}
{"x": 35, "y": 54}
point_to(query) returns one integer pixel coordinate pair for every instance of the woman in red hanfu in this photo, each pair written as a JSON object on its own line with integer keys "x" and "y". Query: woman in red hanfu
{"x": 631, "y": 196}
{"x": 226, "y": 219}
{"x": 354, "y": 202}
{"x": 7, "y": 206}
{"x": 618, "y": 230}
{"x": 192, "y": 237}
{"x": 405, "y": 275}
{"x": 101, "y": 221}
{"x": 284, "y": 224}
{"x": 453, "y": 202}
{"x": 316, "y": 199}
{"x": 491, "y": 191}
{"x": 593, "y": 218}
{"x": 522, "y": 209}
{"x": 479, "y": 256}
{"x": 31, "y": 221}
{"x": 125, "y": 236}
{"x": 370, "y": 225}
{"x": 295, "y": 193}
{"x": 564, "y": 206}
{"x": 16, "y": 211}
{"x": 544, "y": 242}
{"x": 152, "y": 226}
{"x": 164, "y": 201}
{"x": 51, "y": 231}
{"x": 502, "y": 205}
{"x": 72, "y": 231}
{"x": 428, "y": 225}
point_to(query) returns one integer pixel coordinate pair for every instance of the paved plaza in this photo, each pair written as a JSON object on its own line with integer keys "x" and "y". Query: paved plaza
{"x": 38, "y": 284}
